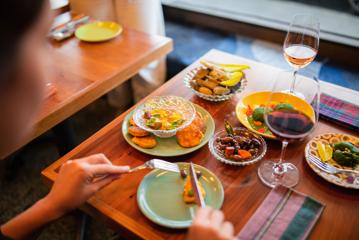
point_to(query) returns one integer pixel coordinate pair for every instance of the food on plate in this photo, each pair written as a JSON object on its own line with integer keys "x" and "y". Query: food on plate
{"x": 190, "y": 136}
{"x": 238, "y": 145}
{"x": 258, "y": 114}
{"x": 346, "y": 154}
{"x": 343, "y": 153}
{"x": 188, "y": 192}
{"x": 163, "y": 119}
{"x": 141, "y": 137}
{"x": 137, "y": 132}
{"x": 193, "y": 134}
{"x": 145, "y": 142}
{"x": 325, "y": 151}
{"x": 218, "y": 79}
{"x": 255, "y": 115}
{"x": 338, "y": 150}
{"x": 184, "y": 173}
{"x": 132, "y": 122}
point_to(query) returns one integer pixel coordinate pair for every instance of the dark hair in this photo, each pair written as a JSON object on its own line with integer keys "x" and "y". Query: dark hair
{"x": 16, "y": 17}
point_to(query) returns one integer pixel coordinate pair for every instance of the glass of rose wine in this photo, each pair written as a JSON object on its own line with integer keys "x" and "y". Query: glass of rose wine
{"x": 301, "y": 44}
{"x": 290, "y": 118}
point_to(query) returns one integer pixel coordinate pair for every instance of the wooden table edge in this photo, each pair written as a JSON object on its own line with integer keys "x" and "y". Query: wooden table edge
{"x": 64, "y": 110}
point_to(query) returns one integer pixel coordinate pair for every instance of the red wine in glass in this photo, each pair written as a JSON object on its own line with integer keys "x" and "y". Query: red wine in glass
{"x": 289, "y": 124}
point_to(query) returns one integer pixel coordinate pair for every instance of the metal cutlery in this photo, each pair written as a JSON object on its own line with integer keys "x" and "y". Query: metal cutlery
{"x": 327, "y": 167}
{"x": 68, "y": 29}
{"x": 157, "y": 164}
{"x": 195, "y": 187}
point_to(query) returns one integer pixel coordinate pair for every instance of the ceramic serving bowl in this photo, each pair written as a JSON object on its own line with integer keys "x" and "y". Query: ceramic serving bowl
{"x": 213, "y": 98}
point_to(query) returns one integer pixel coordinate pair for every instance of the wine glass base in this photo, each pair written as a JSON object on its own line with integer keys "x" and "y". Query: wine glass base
{"x": 288, "y": 178}
{"x": 295, "y": 93}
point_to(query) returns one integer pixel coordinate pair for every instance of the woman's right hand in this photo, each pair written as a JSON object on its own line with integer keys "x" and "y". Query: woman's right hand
{"x": 79, "y": 179}
{"x": 209, "y": 224}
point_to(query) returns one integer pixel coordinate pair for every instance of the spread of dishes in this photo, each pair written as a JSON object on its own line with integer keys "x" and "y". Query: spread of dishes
{"x": 216, "y": 82}
{"x": 167, "y": 198}
{"x": 340, "y": 151}
{"x": 172, "y": 126}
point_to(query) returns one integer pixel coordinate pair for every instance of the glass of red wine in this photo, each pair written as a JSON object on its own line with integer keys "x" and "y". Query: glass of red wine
{"x": 290, "y": 118}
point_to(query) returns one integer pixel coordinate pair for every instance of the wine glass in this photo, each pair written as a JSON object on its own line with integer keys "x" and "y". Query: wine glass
{"x": 301, "y": 44}
{"x": 290, "y": 118}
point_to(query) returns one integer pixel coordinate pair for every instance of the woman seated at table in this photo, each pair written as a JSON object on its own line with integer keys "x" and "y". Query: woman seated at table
{"x": 22, "y": 52}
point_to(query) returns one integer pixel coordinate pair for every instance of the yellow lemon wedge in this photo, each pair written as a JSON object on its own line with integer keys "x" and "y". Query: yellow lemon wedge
{"x": 233, "y": 80}
{"x": 233, "y": 67}
{"x": 325, "y": 151}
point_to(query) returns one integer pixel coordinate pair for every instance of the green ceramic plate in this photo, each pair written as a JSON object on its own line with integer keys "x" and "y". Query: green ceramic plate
{"x": 98, "y": 31}
{"x": 159, "y": 196}
{"x": 168, "y": 147}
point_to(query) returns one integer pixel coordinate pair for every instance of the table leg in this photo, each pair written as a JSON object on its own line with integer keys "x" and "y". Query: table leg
{"x": 83, "y": 226}
{"x": 65, "y": 135}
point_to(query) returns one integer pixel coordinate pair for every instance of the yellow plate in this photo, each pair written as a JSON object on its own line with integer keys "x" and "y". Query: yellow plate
{"x": 98, "y": 31}
{"x": 257, "y": 98}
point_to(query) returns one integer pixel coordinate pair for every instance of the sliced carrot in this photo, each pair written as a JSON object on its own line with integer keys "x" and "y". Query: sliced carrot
{"x": 244, "y": 153}
{"x": 249, "y": 111}
{"x": 257, "y": 123}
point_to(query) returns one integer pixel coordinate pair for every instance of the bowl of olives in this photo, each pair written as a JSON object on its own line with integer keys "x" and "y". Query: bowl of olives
{"x": 240, "y": 147}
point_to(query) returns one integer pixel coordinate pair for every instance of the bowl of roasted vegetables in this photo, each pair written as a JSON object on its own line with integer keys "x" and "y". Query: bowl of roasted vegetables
{"x": 164, "y": 116}
{"x": 340, "y": 151}
{"x": 237, "y": 146}
{"x": 216, "y": 82}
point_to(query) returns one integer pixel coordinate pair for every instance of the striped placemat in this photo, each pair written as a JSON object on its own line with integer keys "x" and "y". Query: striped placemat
{"x": 339, "y": 111}
{"x": 284, "y": 214}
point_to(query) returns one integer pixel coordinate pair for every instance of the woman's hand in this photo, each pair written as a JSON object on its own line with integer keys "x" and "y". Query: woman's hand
{"x": 79, "y": 179}
{"x": 210, "y": 224}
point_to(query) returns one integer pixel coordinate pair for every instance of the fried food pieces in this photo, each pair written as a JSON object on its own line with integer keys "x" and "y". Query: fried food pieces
{"x": 137, "y": 132}
{"x": 141, "y": 137}
{"x": 192, "y": 135}
{"x": 145, "y": 142}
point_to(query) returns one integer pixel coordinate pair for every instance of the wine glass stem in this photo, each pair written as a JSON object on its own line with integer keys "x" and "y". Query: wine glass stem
{"x": 293, "y": 81}
{"x": 278, "y": 168}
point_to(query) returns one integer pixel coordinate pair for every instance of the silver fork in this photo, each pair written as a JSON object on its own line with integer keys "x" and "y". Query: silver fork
{"x": 157, "y": 164}
{"x": 327, "y": 167}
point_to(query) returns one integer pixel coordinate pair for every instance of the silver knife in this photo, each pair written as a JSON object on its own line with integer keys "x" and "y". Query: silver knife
{"x": 196, "y": 190}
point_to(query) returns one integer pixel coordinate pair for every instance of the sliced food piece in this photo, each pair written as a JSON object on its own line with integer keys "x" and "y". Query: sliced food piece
{"x": 145, "y": 142}
{"x": 234, "y": 67}
{"x": 325, "y": 151}
{"x": 188, "y": 194}
{"x": 233, "y": 80}
{"x": 137, "y": 132}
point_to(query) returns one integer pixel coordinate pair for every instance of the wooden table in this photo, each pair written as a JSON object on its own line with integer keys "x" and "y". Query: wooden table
{"x": 83, "y": 72}
{"x": 244, "y": 192}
